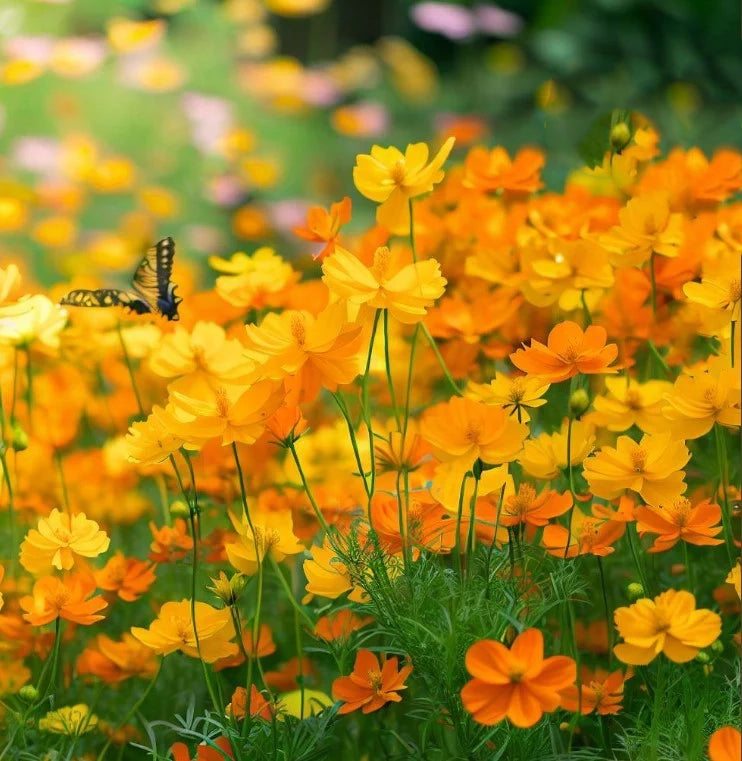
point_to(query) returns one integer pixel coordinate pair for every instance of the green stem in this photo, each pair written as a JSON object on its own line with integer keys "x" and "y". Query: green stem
{"x": 290, "y": 595}
{"x": 585, "y": 309}
{"x": 8, "y": 484}
{"x": 689, "y": 575}
{"x": 459, "y": 513}
{"x": 130, "y": 368}
{"x": 132, "y": 710}
{"x": 353, "y": 439}
{"x": 366, "y": 408}
{"x": 606, "y": 607}
{"x": 721, "y": 461}
{"x": 471, "y": 539}
{"x": 442, "y": 362}
{"x": 308, "y": 491}
{"x": 29, "y": 388}
{"x": 388, "y": 367}
{"x": 44, "y": 689}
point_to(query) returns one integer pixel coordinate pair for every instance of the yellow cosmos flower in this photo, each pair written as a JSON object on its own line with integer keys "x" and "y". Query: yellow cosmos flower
{"x": 631, "y": 403}
{"x": 303, "y": 703}
{"x": 273, "y": 535}
{"x": 294, "y": 8}
{"x": 126, "y": 36}
{"x": 391, "y": 178}
{"x": 652, "y": 468}
{"x": 669, "y": 624}
{"x": 34, "y": 321}
{"x": 698, "y": 401}
{"x": 150, "y": 441}
{"x": 59, "y": 538}
{"x": 252, "y": 281}
{"x": 69, "y": 720}
{"x": 720, "y": 292}
{"x": 173, "y": 630}
{"x": 647, "y": 227}
{"x": 735, "y": 578}
{"x": 321, "y": 351}
{"x": 205, "y": 349}
{"x": 198, "y": 411}
{"x": 10, "y": 280}
{"x": 327, "y": 576}
{"x": 512, "y": 393}
{"x": 546, "y": 456}
{"x": 405, "y": 288}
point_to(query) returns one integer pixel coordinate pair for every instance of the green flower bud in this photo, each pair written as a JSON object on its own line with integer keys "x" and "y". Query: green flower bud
{"x": 28, "y": 693}
{"x": 19, "y": 438}
{"x": 703, "y": 657}
{"x": 579, "y": 402}
{"x": 179, "y": 509}
{"x": 620, "y": 136}
{"x": 717, "y": 646}
{"x": 635, "y": 590}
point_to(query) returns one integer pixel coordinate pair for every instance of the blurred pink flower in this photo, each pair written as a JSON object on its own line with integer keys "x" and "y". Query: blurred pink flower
{"x": 36, "y": 154}
{"x": 209, "y": 117}
{"x": 452, "y": 21}
{"x": 36, "y": 49}
{"x": 319, "y": 89}
{"x": 366, "y": 118}
{"x": 225, "y": 190}
{"x": 496, "y": 21}
{"x": 285, "y": 215}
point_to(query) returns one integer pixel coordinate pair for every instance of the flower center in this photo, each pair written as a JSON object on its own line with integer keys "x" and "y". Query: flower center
{"x": 681, "y": 512}
{"x": 735, "y": 291}
{"x": 382, "y": 259}
{"x": 517, "y": 391}
{"x": 472, "y": 433}
{"x": 639, "y": 460}
{"x": 398, "y": 172}
{"x": 374, "y": 677}
{"x": 570, "y": 354}
{"x": 633, "y": 401}
{"x": 518, "y": 504}
{"x": 222, "y": 402}
{"x": 298, "y": 329}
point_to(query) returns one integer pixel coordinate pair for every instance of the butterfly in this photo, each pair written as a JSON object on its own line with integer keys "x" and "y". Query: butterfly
{"x": 152, "y": 292}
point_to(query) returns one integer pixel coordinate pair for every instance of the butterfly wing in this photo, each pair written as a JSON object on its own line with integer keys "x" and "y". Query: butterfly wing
{"x": 152, "y": 281}
{"x": 106, "y": 297}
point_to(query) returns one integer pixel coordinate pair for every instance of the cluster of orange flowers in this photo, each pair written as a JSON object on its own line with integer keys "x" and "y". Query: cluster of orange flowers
{"x": 292, "y": 412}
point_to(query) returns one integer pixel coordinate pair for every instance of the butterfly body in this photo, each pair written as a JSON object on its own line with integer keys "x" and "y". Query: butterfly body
{"x": 152, "y": 291}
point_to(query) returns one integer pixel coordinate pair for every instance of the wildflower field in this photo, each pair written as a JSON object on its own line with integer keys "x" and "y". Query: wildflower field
{"x": 364, "y": 403}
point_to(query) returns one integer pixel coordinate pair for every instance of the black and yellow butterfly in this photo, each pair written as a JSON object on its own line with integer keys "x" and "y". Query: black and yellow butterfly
{"x": 152, "y": 290}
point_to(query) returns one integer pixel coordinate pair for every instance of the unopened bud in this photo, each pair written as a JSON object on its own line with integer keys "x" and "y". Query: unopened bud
{"x": 703, "y": 657}
{"x": 579, "y": 402}
{"x": 635, "y": 590}
{"x": 28, "y": 693}
{"x": 19, "y": 438}
{"x": 717, "y": 646}
{"x": 620, "y": 136}
{"x": 179, "y": 509}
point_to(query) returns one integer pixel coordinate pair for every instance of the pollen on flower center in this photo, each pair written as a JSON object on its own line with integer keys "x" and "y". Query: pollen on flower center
{"x": 517, "y": 391}
{"x": 570, "y": 354}
{"x": 222, "y": 402}
{"x": 473, "y": 433}
{"x": 519, "y": 503}
{"x": 735, "y": 291}
{"x": 633, "y": 400}
{"x": 382, "y": 257}
{"x": 398, "y": 172}
{"x": 374, "y": 678}
{"x": 639, "y": 460}
{"x": 298, "y": 329}
{"x": 681, "y": 512}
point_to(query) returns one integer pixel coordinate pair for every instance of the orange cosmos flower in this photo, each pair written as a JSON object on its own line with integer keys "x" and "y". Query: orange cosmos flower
{"x": 199, "y": 411}
{"x": 599, "y": 691}
{"x": 314, "y": 352}
{"x": 60, "y": 537}
{"x": 669, "y": 624}
{"x": 260, "y": 707}
{"x": 699, "y": 400}
{"x": 204, "y": 752}
{"x": 372, "y": 684}
{"x": 68, "y": 598}
{"x": 340, "y": 625}
{"x": 680, "y": 520}
{"x": 495, "y": 170}
{"x": 646, "y": 227}
{"x": 589, "y": 535}
{"x": 128, "y": 577}
{"x": 285, "y": 678}
{"x": 286, "y": 424}
{"x": 327, "y": 576}
{"x": 726, "y": 745}
{"x": 568, "y": 351}
{"x": 113, "y": 662}
{"x": 652, "y": 467}
{"x": 525, "y": 508}
{"x": 266, "y": 646}
{"x": 324, "y": 227}
{"x": 516, "y": 683}
{"x": 405, "y": 288}
{"x": 204, "y": 349}
{"x": 391, "y": 179}
{"x": 173, "y": 630}
{"x": 170, "y": 543}
{"x": 463, "y": 429}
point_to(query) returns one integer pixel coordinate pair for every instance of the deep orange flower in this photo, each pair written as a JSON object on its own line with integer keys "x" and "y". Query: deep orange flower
{"x": 113, "y": 662}
{"x": 495, "y": 170}
{"x": 517, "y": 683}
{"x": 170, "y": 543}
{"x": 372, "y": 684}
{"x": 204, "y": 752}
{"x": 260, "y": 707}
{"x": 340, "y": 625}
{"x": 568, "y": 351}
{"x": 286, "y": 677}
{"x": 680, "y": 520}
{"x": 266, "y": 646}
{"x": 599, "y": 691}
{"x": 128, "y": 577}
{"x": 726, "y": 745}
{"x": 324, "y": 227}
{"x": 68, "y": 598}
{"x": 526, "y": 508}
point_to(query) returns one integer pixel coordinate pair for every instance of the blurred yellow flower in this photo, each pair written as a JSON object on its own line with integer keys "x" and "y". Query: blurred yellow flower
{"x": 19, "y": 71}
{"x": 127, "y": 36}
{"x": 59, "y": 538}
{"x": 13, "y": 214}
{"x": 149, "y": 441}
{"x": 33, "y": 321}
{"x": 115, "y": 174}
{"x": 405, "y": 288}
{"x": 296, "y": 7}
{"x": 327, "y": 576}
{"x": 55, "y": 232}
{"x": 252, "y": 281}
{"x": 391, "y": 179}
{"x": 10, "y": 281}
{"x": 69, "y": 720}
{"x": 303, "y": 703}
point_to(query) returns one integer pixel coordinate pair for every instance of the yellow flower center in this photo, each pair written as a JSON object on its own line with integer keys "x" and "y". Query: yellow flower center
{"x": 633, "y": 400}
{"x": 681, "y": 512}
{"x": 222, "y": 402}
{"x": 198, "y": 356}
{"x": 517, "y": 391}
{"x": 298, "y": 329}
{"x": 472, "y": 433}
{"x": 518, "y": 504}
{"x": 58, "y": 599}
{"x": 639, "y": 460}
{"x": 516, "y": 673}
{"x": 570, "y": 354}
{"x": 382, "y": 260}
{"x": 398, "y": 172}
{"x": 735, "y": 291}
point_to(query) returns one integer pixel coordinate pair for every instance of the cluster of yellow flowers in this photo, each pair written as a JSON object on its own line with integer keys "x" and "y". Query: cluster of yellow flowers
{"x": 580, "y": 360}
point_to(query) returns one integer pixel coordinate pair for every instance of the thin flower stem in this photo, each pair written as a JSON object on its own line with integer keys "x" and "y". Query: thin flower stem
{"x": 388, "y": 366}
{"x": 130, "y": 368}
{"x": 353, "y": 439}
{"x": 290, "y": 594}
{"x": 721, "y": 461}
{"x": 689, "y": 575}
{"x": 132, "y": 710}
{"x": 459, "y": 513}
{"x": 9, "y": 486}
{"x": 637, "y": 560}
{"x": 14, "y": 397}
{"x": 471, "y": 538}
{"x": 366, "y": 409}
{"x": 308, "y": 491}
{"x": 29, "y": 389}
{"x": 585, "y": 309}
{"x": 442, "y": 362}
{"x": 606, "y": 607}
{"x": 44, "y": 689}
{"x": 299, "y": 659}
{"x": 570, "y": 474}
